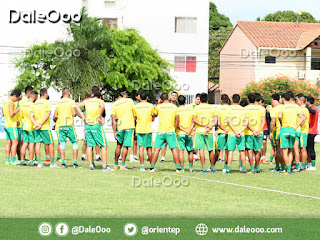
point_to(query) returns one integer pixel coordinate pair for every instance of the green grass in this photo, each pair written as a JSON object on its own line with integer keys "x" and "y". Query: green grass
{"x": 35, "y": 192}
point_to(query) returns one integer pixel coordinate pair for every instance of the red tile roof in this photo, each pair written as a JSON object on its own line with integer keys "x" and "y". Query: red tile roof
{"x": 280, "y": 34}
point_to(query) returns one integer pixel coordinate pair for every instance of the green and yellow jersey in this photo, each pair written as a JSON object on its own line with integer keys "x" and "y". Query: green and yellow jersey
{"x": 143, "y": 112}
{"x": 167, "y": 114}
{"x": 204, "y": 113}
{"x": 185, "y": 114}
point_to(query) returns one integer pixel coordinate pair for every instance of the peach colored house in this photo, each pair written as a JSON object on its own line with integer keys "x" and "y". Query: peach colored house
{"x": 257, "y": 50}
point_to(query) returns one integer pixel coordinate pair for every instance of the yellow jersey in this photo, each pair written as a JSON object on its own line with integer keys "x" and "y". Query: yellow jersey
{"x": 237, "y": 116}
{"x": 274, "y": 114}
{"x": 9, "y": 121}
{"x": 167, "y": 116}
{"x": 40, "y": 109}
{"x": 305, "y": 125}
{"x": 92, "y": 107}
{"x": 204, "y": 113}
{"x": 18, "y": 115}
{"x": 222, "y": 113}
{"x": 143, "y": 112}
{"x": 290, "y": 112}
{"x": 64, "y": 109}
{"x": 185, "y": 118}
{"x": 26, "y": 109}
{"x": 123, "y": 110}
{"x": 255, "y": 113}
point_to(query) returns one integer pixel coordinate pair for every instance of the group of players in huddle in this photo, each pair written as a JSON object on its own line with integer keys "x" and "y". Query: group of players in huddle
{"x": 191, "y": 128}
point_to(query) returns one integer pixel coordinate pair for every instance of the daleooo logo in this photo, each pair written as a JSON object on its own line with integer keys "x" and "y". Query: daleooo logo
{"x": 52, "y": 16}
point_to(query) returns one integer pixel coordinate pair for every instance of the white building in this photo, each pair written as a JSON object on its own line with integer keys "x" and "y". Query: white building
{"x": 178, "y": 29}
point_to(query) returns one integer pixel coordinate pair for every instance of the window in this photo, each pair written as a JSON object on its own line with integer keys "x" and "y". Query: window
{"x": 315, "y": 63}
{"x": 185, "y": 64}
{"x": 185, "y": 25}
{"x": 109, "y": 3}
{"x": 111, "y": 22}
{"x": 270, "y": 59}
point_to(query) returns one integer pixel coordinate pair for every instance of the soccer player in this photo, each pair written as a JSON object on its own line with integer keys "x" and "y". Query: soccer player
{"x": 221, "y": 114}
{"x": 194, "y": 104}
{"x": 28, "y": 131}
{"x": 134, "y": 149}
{"x": 144, "y": 115}
{"x": 203, "y": 117}
{"x": 301, "y": 101}
{"x": 19, "y": 128}
{"x": 184, "y": 132}
{"x": 10, "y": 126}
{"x": 63, "y": 115}
{"x": 313, "y": 131}
{"x": 265, "y": 132}
{"x": 166, "y": 131}
{"x": 288, "y": 121}
{"x": 122, "y": 111}
{"x": 254, "y": 135}
{"x": 95, "y": 135}
{"x": 238, "y": 121}
{"x": 39, "y": 116}
{"x": 275, "y": 131}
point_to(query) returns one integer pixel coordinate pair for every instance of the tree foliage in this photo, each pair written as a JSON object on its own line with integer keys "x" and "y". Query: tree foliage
{"x": 289, "y": 16}
{"x": 281, "y": 84}
{"x": 217, "y": 20}
{"x": 93, "y": 55}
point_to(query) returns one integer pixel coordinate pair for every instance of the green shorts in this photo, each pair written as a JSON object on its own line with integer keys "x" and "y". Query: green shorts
{"x": 66, "y": 132}
{"x": 44, "y": 136}
{"x": 274, "y": 139}
{"x": 125, "y": 137}
{"x": 222, "y": 142}
{"x": 303, "y": 140}
{"x": 163, "y": 138}
{"x": 287, "y": 137}
{"x": 28, "y": 136}
{"x": 11, "y": 133}
{"x": 144, "y": 139}
{"x": 202, "y": 141}
{"x": 95, "y": 135}
{"x": 19, "y": 134}
{"x": 254, "y": 142}
{"x": 185, "y": 142}
{"x": 298, "y": 135}
{"x": 234, "y": 141}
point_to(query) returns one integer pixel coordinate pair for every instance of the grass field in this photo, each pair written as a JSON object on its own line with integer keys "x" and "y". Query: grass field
{"x": 35, "y": 192}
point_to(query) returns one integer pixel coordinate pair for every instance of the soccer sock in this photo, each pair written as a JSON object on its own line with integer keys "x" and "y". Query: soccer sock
{"x": 31, "y": 162}
{"x": 258, "y": 168}
{"x": 116, "y": 163}
{"x": 19, "y": 157}
{"x": 204, "y": 168}
{"x": 178, "y": 166}
{"x": 122, "y": 163}
{"x": 97, "y": 156}
{"x": 13, "y": 159}
{"x": 51, "y": 160}
{"x": 63, "y": 162}
{"x": 252, "y": 168}
{"x": 271, "y": 158}
{"x": 182, "y": 166}
{"x": 212, "y": 167}
{"x": 277, "y": 166}
{"x": 75, "y": 162}
{"x": 190, "y": 165}
{"x": 7, "y": 159}
{"x": 228, "y": 168}
{"x": 22, "y": 161}
{"x": 289, "y": 168}
{"x": 142, "y": 166}
{"x": 152, "y": 165}
{"x": 225, "y": 166}
{"x": 163, "y": 158}
{"x": 90, "y": 166}
{"x": 283, "y": 167}
{"x": 83, "y": 155}
{"x": 59, "y": 155}
{"x": 313, "y": 163}
{"x": 244, "y": 168}
{"x": 240, "y": 163}
{"x": 298, "y": 165}
{"x": 104, "y": 166}
{"x": 39, "y": 160}
{"x": 47, "y": 156}
{"x": 303, "y": 165}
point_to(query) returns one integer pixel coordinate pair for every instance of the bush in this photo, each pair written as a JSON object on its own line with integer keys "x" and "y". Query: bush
{"x": 281, "y": 84}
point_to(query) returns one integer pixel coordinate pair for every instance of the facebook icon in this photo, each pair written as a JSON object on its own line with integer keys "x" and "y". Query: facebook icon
{"x": 62, "y": 229}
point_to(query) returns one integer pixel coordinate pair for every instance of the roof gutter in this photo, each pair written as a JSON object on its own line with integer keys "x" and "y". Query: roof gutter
{"x": 276, "y": 48}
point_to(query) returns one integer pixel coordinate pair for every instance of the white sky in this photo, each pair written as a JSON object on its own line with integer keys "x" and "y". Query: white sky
{"x": 249, "y": 10}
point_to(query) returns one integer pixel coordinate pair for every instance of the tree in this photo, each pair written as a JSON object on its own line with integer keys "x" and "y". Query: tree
{"x": 220, "y": 28}
{"x": 281, "y": 84}
{"x": 94, "y": 55}
{"x": 289, "y": 16}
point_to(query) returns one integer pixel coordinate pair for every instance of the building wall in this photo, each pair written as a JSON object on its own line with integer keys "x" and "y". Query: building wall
{"x": 237, "y": 63}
